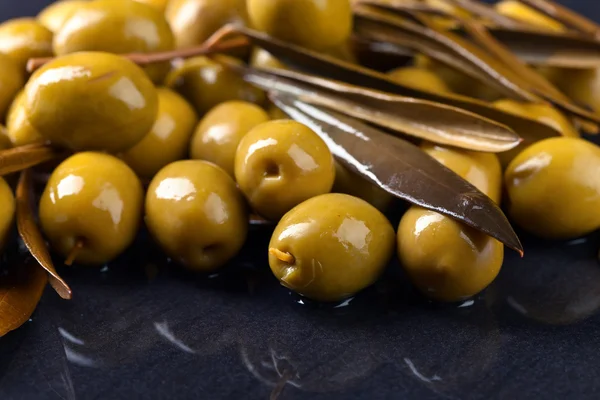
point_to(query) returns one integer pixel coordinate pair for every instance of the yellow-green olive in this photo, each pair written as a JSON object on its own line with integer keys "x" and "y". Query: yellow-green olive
{"x": 260, "y": 58}
{"x": 19, "y": 129}
{"x": 7, "y": 212}
{"x": 117, "y": 26}
{"x": 196, "y": 214}
{"x": 91, "y": 101}
{"x": 316, "y": 24}
{"x": 419, "y": 78}
{"x": 330, "y": 247}
{"x": 25, "y": 38}
{"x": 168, "y": 139}
{"x": 55, "y": 15}
{"x": 445, "y": 259}
{"x": 350, "y": 183}
{"x": 12, "y": 80}
{"x": 280, "y": 164}
{"x": 553, "y": 188}
{"x": 92, "y": 200}
{"x": 194, "y": 21}
{"x": 206, "y": 83}
{"x": 217, "y": 136}
{"x": 4, "y": 140}
{"x": 160, "y": 5}
{"x": 579, "y": 84}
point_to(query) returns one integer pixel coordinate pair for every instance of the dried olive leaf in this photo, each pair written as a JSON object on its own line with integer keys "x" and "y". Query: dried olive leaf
{"x": 537, "y": 83}
{"x": 32, "y": 237}
{"x": 485, "y": 11}
{"x": 20, "y": 292}
{"x": 554, "y": 49}
{"x": 23, "y": 157}
{"x": 566, "y": 16}
{"x": 493, "y": 71}
{"x": 402, "y": 169}
{"x": 450, "y": 126}
{"x": 332, "y": 68}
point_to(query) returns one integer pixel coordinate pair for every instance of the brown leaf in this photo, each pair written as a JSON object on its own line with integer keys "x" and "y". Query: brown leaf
{"x": 32, "y": 237}
{"x": 451, "y": 126}
{"x": 331, "y": 68}
{"x": 19, "y": 158}
{"x": 20, "y": 293}
{"x": 485, "y": 11}
{"x": 566, "y": 16}
{"x": 402, "y": 169}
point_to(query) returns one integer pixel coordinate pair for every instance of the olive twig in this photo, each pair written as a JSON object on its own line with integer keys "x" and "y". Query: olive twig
{"x": 210, "y": 47}
{"x": 282, "y": 256}
{"x": 20, "y": 158}
{"x": 74, "y": 252}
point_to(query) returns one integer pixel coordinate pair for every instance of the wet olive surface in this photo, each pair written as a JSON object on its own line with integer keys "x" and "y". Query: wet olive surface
{"x": 141, "y": 328}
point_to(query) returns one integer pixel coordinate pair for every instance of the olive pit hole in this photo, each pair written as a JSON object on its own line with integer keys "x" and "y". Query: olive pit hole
{"x": 272, "y": 170}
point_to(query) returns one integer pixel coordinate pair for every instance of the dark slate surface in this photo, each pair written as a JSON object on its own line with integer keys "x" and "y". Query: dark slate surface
{"x": 138, "y": 329}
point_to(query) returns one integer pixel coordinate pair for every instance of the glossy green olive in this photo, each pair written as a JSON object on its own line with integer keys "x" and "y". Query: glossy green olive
{"x": 219, "y": 133}
{"x": 117, "y": 26}
{"x": 554, "y": 188}
{"x": 54, "y": 16}
{"x": 94, "y": 199}
{"x": 19, "y": 129}
{"x": 169, "y": 138}
{"x": 317, "y": 24}
{"x": 194, "y": 21}
{"x": 12, "y": 80}
{"x": 280, "y": 164}
{"x": 206, "y": 84}
{"x": 544, "y": 113}
{"x": 350, "y": 183}
{"x": 419, "y": 78}
{"x": 25, "y": 38}
{"x": 196, "y": 214}
{"x": 7, "y": 212}
{"x": 330, "y": 247}
{"x": 260, "y": 58}
{"x": 445, "y": 259}
{"x": 160, "y": 5}
{"x": 91, "y": 101}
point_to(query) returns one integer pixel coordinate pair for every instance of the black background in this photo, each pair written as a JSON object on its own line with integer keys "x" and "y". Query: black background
{"x": 140, "y": 329}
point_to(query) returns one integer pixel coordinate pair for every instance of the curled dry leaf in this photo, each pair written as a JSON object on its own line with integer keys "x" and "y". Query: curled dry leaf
{"x": 450, "y": 126}
{"x": 20, "y": 158}
{"x": 20, "y": 292}
{"x": 32, "y": 237}
{"x": 402, "y": 169}
{"x": 331, "y": 68}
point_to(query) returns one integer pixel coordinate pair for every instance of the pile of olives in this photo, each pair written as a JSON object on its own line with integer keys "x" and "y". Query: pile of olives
{"x": 191, "y": 151}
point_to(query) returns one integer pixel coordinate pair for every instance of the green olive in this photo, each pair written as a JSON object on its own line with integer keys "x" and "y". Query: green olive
{"x": 350, "y": 183}
{"x": 579, "y": 84}
{"x": 117, "y": 26}
{"x": 54, "y": 16}
{"x": 419, "y": 78}
{"x": 445, "y": 259}
{"x": 7, "y": 212}
{"x": 316, "y": 24}
{"x": 168, "y": 139}
{"x": 217, "y": 136}
{"x": 196, "y": 214}
{"x": 4, "y": 140}
{"x": 206, "y": 83}
{"x": 19, "y": 129}
{"x": 25, "y": 38}
{"x": 194, "y": 21}
{"x": 260, "y": 58}
{"x": 554, "y": 188}
{"x": 330, "y": 247}
{"x": 12, "y": 80}
{"x": 91, "y": 101}
{"x": 280, "y": 164}
{"x": 92, "y": 200}
{"x": 160, "y": 5}
{"x": 544, "y": 113}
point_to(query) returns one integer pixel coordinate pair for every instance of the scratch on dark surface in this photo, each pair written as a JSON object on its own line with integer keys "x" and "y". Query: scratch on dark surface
{"x": 278, "y": 389}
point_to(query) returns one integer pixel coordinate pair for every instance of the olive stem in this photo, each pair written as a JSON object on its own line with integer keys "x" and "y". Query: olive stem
{"x": 282, "y": 256}
{"x": 164, "y": 56}
{"x": 74, "y": 252}
{"x": 22, "y": 157}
